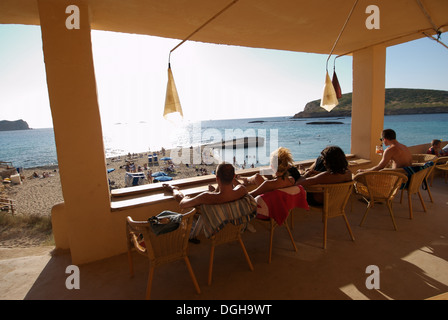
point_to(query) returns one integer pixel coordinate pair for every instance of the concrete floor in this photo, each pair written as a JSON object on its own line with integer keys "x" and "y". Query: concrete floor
{"x": 412, "y": 262}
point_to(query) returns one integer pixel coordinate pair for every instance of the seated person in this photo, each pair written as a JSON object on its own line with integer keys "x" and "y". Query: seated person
{"x": 317, "y": 167}
{"x": 225, "y": 192}
{"x": 436, "y": 148}
{"x": 286, "y": 174}
{"x": 445, "y": 150}
{"x": 397, "y": 154}
{"x": 337, "y": 171}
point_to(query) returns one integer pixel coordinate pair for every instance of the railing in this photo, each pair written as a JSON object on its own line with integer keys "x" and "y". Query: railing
{"x": 131, "y": 197}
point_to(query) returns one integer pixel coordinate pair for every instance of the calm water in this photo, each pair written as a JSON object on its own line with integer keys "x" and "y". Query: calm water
{"x": 32, "y": 148}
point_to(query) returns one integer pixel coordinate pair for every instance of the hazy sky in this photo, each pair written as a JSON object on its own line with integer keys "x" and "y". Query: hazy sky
{"x": 213, "y": 81}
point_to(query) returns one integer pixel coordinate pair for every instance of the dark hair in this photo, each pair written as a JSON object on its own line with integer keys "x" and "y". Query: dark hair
{"x": 293, "y": 172}
{"x": 435, "y": 142}
{"x": 334, "y": 159}
{"x": 389, "y": 134}
{"x": 225, "y": 172}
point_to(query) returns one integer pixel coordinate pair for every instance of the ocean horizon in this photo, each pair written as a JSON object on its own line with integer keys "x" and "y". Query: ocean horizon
{"x": 36, "y": 147}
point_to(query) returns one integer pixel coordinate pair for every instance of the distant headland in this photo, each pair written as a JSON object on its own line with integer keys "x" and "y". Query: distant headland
{"x": 6, "y": 125}
{"x": 398, "y": 101}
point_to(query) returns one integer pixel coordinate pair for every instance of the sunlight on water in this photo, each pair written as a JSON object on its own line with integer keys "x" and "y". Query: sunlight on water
{"x": 31, "y": 148}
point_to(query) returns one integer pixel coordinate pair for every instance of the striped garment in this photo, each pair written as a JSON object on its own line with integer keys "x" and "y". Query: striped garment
{"x": 215, "y": 217}
{"x": 413, "y": 169}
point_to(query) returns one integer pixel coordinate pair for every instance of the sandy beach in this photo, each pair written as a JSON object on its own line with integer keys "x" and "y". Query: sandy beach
{"x": 41, "y": 190}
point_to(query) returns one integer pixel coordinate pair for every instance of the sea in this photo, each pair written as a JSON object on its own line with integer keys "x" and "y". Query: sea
{"x": 36, "y": 147}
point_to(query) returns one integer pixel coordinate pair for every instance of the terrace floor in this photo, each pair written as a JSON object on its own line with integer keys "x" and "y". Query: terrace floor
{"x": 413, "y": 262}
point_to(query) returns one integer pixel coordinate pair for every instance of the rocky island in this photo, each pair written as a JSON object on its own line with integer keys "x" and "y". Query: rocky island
{"x": 398, "y": 101}
{"x": 6, "y": 125}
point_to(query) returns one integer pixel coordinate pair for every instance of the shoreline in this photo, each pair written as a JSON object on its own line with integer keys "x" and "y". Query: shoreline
{"x": 36, "y": 196}
{"x": 41, "y": 189}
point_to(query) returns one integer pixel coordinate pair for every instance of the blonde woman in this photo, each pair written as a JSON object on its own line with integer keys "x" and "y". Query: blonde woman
{"x": 286, "y": 174}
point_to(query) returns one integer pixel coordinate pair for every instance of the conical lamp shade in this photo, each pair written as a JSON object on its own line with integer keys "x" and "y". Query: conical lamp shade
{"x": 337, "y": 87}
{"x": 329, "y": 100}
{"x": 172, "y": 102}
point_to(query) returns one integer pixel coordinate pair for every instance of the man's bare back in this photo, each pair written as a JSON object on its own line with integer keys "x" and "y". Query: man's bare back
{"x": 397, "y": 154}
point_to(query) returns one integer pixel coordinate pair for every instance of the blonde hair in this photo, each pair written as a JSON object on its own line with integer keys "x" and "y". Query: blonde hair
{"x": 281, "y": 161}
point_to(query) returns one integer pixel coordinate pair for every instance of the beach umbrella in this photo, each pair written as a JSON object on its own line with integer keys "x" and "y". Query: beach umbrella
{"x": 159, "y": 174}
{"x": 166, "y": 158}
{"x": 163, "y": 178}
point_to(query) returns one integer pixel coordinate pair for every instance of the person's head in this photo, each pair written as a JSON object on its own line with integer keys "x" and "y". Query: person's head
{"x": 281, "y": 161}
{"x": 225, "y": 172}
{"x": 334, "y": 159}
{"x": 387, "y": 136}
{"x": 436, "y": 143}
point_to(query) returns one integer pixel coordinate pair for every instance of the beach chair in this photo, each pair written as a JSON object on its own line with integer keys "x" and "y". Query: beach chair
{"x": 377, "y": 187}
{"x": 159, "y": 249}
{"x": 7, "y": 205}
{"x": 335, "y": 200}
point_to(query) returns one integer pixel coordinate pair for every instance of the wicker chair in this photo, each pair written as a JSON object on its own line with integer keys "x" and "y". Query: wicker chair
{"x": 421, "y": 159}
{"x": 379, "y": 186}
{"x": 162, "y": 249}
{"x": 272, "y": 226}
{"x": 413, "y": 187}
{"x": 223, "y": 223}
{"x": 441, "y": 165}
{"x": 230, "y": 233}
{"x": 335, "y": 200}
{"x": 276, "y": 217}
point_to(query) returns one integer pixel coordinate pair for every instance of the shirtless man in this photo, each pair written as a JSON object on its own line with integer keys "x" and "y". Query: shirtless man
{"x": 398, "y": 153}
{"x": 225, "y": 192}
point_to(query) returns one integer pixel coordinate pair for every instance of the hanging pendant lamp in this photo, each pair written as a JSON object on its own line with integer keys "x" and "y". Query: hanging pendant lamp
{"x": 329, "y": 100}
{"x": 173, "y": 109}
{"x": 330, "y": 97}
{"x": 336, "y": 85}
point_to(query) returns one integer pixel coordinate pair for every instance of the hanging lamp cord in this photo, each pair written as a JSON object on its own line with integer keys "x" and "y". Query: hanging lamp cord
{"x": 201, "y": 27}
{"x": 342, "y": 31}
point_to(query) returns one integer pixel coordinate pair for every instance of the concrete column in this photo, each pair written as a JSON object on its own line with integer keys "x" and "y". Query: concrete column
{"x": 369, "y": 80}
{"x": 82, "y": 222}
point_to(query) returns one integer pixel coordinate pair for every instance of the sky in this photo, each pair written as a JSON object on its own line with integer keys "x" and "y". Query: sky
{"x": 213, "y": 81}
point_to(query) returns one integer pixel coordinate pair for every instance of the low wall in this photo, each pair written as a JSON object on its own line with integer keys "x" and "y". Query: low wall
{"x": 423, "y": 148}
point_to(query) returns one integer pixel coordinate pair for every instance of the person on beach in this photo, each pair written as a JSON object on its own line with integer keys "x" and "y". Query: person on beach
{"x": 286, "y": 174}
{"x": 330, "y": 167}
{"x": 397, "y": 154}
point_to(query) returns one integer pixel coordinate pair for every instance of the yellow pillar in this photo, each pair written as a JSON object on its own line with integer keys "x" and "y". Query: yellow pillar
{"x": 82, "y": 222}
{"x": 369, "y": 76}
